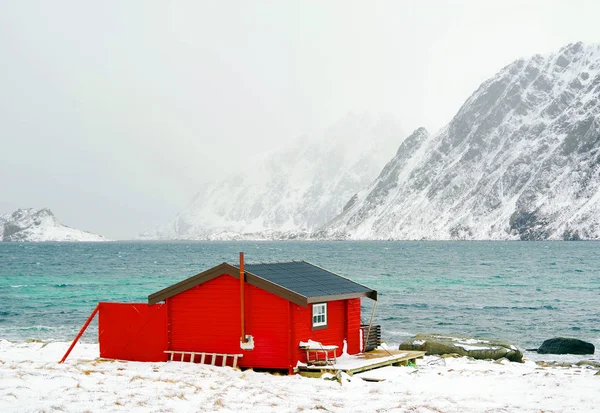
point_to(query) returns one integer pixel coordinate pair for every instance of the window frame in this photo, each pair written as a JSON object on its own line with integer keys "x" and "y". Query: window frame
{"x": 319, "y": 325}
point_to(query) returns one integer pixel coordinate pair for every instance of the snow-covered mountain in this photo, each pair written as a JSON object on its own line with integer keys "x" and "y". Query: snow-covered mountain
{"x": 39, "y": 225}
{"x": 290, "y": 192}
{"x": 520, "y": 160}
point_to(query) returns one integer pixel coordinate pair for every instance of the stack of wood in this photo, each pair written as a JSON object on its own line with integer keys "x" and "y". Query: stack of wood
{"x": 374, "y": 339}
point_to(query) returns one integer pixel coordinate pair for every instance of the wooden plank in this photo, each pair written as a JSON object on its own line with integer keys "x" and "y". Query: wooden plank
{"x": 398, "y": 360}
{"x": 370, "y": 361}
{"x": 335, "y": 297}
{"x": 314, "y": 373}
{"x": 202, "y": 358}
{"x": 372, "y": 379}
{"x": 224, "y": 360}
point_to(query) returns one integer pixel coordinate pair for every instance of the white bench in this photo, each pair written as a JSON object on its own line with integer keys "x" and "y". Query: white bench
{"x": 323, "y": 352}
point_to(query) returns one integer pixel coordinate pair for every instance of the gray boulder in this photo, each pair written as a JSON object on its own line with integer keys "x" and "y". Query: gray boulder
{"x": 562, "y": 345}
{"x": 464, "y": 346}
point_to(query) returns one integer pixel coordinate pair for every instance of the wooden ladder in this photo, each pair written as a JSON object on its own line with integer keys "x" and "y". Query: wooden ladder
{"x": 213, "y": 356}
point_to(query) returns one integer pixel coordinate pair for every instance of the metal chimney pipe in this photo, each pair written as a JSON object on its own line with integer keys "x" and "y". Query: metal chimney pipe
{"x": 242, "y": 315}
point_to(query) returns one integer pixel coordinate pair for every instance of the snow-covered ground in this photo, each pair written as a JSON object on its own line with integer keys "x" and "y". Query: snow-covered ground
{"x": 31, "y": 380}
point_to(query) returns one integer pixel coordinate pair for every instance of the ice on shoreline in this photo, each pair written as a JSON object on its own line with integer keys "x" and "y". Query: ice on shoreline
{"x": 31, "y": 380}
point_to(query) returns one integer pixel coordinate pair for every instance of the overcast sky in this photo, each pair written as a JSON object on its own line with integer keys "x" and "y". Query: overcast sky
{"x": 113, "y": 113}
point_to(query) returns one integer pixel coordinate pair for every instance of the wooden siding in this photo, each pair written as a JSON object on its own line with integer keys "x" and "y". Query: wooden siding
{"x": 206, "y": 318}
{"x": 134, "y": 332}
{"x": 267, "y": 318}
{"x": 353, "y": 325}
{"x": 334, "y": 334}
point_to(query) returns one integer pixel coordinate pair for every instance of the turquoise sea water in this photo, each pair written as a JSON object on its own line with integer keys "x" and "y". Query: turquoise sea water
{"x": 524, "y": 292}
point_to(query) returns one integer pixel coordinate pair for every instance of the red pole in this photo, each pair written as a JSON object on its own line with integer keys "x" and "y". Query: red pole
{"x": 242, "y": 296}
{"x": 87, "y": 323}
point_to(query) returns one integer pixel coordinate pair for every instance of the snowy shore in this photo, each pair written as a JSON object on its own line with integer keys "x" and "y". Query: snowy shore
{"x": 31, "y": 380}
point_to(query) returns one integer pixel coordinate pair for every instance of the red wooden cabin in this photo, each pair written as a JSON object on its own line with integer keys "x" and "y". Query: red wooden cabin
{"x": 275, "y": 306}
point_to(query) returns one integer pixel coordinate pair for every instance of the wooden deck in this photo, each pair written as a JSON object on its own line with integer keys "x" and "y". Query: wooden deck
{"x": 363, "y": 362}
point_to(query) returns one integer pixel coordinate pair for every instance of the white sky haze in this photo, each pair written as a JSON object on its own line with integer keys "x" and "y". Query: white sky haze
{"x": 113, "y": 113}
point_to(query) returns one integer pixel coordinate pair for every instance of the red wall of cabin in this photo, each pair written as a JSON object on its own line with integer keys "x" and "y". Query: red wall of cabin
{"x": 353, "y": 325}
{"x": 206, "y": 318}
{"x": 135, "y": 332}
{"x": 343, "y": 322}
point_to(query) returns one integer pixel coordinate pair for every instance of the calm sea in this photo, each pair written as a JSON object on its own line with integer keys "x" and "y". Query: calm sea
{"x": 524, "y": 292}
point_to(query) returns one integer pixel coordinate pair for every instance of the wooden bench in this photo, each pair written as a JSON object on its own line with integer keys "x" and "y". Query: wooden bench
{"x": 193, "y": 354}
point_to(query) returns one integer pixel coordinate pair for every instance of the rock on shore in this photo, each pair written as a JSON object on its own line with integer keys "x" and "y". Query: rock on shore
{"x": 465, "y": 346}
{"x": 562, "y": 345}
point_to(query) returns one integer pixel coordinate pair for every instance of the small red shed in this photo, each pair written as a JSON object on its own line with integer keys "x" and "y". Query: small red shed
{"x": 262, "y": 311}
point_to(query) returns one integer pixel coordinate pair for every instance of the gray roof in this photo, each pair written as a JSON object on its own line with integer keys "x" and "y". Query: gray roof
{"x": 298, "y": 281}
{"x": 306, "y": 279}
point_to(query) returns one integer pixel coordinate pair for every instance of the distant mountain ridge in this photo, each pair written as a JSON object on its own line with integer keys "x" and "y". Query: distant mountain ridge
{"x": 290, "y": 192}
{"x": 33, "y": 225}
{"x": 520, "y": 160}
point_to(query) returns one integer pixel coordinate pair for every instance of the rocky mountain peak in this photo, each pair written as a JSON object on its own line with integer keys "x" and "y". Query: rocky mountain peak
{"x": 413, "y": 141}
{"x": 520, "y": 160}
{"x": 30, "y": 224}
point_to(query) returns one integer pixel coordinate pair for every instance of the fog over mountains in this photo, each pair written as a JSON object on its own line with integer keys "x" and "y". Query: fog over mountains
{"x": 520, "y": 160}
{"x": 290, "y": 192}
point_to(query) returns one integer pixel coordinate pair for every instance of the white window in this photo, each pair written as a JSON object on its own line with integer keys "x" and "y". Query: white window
{"x": 319, "y": 315}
